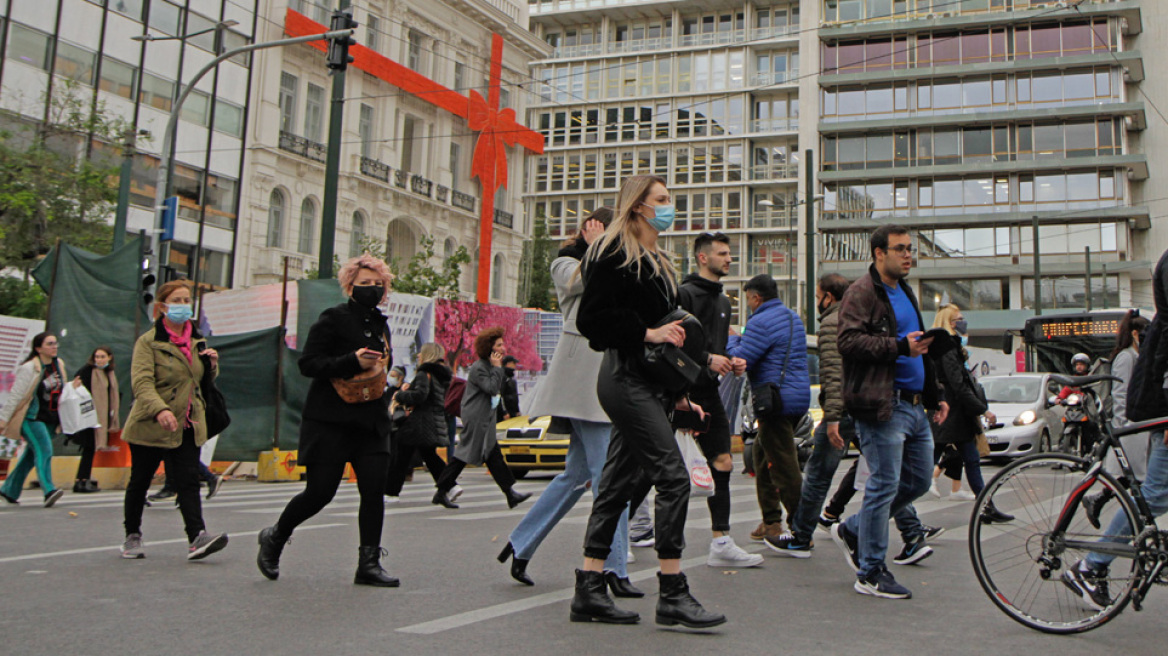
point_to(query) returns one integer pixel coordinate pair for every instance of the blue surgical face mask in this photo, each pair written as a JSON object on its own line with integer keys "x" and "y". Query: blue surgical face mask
{"x": 495, "y": 401}
{"x": 965, "y": 340}
{"x": 663, "y": 217}
{"x": 179, "y": 313}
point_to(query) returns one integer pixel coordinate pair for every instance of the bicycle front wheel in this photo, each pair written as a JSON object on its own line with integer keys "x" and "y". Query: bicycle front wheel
{"x": 1021, "y": 562}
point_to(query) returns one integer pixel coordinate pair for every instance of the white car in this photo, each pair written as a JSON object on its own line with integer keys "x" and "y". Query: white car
{"x": 1026, "y": 424}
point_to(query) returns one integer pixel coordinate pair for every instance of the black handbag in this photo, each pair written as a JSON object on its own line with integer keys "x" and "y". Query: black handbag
{"x": 674, "y": 367}
{"x": 217, "y": 419}
{"x": 767, "y": 399}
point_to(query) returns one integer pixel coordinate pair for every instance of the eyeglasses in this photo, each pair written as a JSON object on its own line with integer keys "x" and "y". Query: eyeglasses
{"x": 900, "y": 249}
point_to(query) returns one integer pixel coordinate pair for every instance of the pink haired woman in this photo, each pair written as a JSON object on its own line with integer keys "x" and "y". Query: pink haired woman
{"x": 347, "y": 340}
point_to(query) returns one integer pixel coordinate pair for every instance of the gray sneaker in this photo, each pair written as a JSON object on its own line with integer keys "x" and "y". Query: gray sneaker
{"x": 205, "y": 544}
{"x": 54, "y": 496}
{"x": 132, "y": 547}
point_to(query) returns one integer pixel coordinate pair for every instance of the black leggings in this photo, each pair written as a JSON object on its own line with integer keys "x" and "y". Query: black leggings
{"x": 323, "y": 479}
{"x": 181, "y": 468}
{"x": 843, "y": 493}
{"x": 403, "y": 461}
{"x": 495, "y": 464}
{"x": 87, "y": 440}
{"x": 642, "y": 445}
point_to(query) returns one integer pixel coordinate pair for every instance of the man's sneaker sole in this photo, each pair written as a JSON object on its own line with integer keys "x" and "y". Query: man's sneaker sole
{"x": 53, "y": 497}
{"x": 754, "y": 561}
{"x": 869, "y": 589}
{"x": 934, "y": 532}
{"x": 211, "y": 547}
{"x": 915, "y": 557}
{"x": 640, "y": 544}
{"x": 839, "y": 539}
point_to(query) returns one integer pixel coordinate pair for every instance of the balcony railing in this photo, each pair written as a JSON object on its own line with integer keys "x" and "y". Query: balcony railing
{"x": 640, "y": 45}
{"x": 504, "y": 218}
{"x": 760, "y": 33}
{"x": 774, "y": 172}
{"x": 774, "y": 78}
{"x": 400, "y": 178}
{"x": 420, "y": 185}
{"x": 375, "y": 169}
{"x": 579, "y": 51}
{"x": 462, "y": 201}
{"x": 443, "y": 193}
{"x": 292, "y": 143}
{"x": 765, "y": 125}
{"x": 783, "y": 218}
{"x": 713, "y": 38}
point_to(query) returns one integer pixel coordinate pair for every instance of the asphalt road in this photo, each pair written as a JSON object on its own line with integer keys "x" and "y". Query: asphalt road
{"x": 66, "y": 591}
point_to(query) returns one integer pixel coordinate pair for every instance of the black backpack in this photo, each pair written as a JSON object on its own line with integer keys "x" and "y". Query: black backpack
{"x": 1145, "y": 390}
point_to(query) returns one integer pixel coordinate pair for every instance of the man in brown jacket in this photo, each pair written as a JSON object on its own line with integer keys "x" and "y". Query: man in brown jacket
{"x": 887, "y": 387}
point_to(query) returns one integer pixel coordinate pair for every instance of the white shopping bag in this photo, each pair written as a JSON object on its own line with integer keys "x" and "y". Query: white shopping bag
{"x": 76, "y": 411}
{"x": 701, "y": 479}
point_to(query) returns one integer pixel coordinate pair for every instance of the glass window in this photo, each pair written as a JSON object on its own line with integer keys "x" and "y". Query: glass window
{"x": 978, "y": 145}
{"x": 75, "y": 63}
{"x": 276, "y": 219}
{"x": 164, "y": 16}
{"x": 1081, "y": 139}
{"x": 1048, "y": 141}
{"x": 131, "y": 8}
{"x": 1082, "y": 186}
{"x": 118, "y": 78}
{"x": 357, "y": 236}
{"x": 196, "y": 107}
{"x": 365, "y": 130}
{"x": 1048, "y": 87}
{"x": 947, "y": 95}
{"x": 947, "y": 146}
{"x": 307, "y": 225}
{"x": 29, "y": 46}
{"x": 228, "y": 118}
{"x": 1051, "y": 187}
{"x": 288, "y": 84}
{"x": 313, "y": 112}
{"x": 156, "y": 92}
{"x": 978, "y": 192}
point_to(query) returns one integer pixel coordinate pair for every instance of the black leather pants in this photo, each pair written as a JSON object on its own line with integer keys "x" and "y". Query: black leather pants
{"x": 642, "y": 445}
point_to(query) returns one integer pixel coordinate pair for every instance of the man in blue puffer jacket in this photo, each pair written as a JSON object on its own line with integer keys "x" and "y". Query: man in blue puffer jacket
{"x": 775, "y": 349}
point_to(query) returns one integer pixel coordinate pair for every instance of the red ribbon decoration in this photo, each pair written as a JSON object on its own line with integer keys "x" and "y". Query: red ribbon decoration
{"x": 496, "y": 129}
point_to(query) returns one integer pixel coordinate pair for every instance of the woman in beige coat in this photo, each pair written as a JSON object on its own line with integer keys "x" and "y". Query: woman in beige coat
{"x": 31, "y": 413}
{"x": 167, "y": 422}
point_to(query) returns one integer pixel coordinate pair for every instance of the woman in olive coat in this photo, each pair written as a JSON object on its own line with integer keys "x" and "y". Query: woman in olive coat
{"x": 168, "y": 420}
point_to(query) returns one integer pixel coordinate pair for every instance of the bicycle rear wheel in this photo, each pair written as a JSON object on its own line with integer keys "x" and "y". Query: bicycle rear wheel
{"x": 1020, "y": 563}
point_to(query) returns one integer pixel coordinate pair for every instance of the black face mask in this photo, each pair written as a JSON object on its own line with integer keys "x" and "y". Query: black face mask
{"x": 822, "y": 307}
{"x": 508, "y": 372}
{"x": 368, "y": 297}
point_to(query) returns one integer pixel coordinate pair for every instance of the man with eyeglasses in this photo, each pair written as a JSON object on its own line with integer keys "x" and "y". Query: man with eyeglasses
{"x": 887, "y": 387}
{"x": 701, "y": 295}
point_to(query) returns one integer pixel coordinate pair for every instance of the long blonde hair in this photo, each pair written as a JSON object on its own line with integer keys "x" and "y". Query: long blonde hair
{"x": 946, "y": 316}
{"x": 430, "y": 352}
{"x": 625, "y": 231}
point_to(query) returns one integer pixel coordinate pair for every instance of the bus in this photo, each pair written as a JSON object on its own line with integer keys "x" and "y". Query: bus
{"x": 1052, "y": 339}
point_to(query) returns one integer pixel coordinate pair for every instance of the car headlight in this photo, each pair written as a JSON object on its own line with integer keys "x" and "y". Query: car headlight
{"x": 1026, "y": 418}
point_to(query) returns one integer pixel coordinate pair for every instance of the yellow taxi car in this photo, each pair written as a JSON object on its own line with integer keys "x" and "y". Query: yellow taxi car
{"x": 527, "y": 445}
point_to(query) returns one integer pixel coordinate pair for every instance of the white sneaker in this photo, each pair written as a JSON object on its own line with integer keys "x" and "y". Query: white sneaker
{"x": 631, "y": 559}
{"x": 454, "y": 493}
{"x": 962, "y": 495}
{"x": 933, "y": 489}
{"x": 393, "y": 499}
{"x": 724, "y": 553}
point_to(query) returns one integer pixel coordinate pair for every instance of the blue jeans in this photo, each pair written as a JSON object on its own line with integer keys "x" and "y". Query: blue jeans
{"x": 39, "y": 451}
{"x": 587, "y": 450}
{"x": 1155, "y": 490}
{"x": 900, "y": 458}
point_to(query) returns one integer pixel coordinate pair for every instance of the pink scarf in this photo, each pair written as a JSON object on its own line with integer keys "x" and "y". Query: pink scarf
{"x": 181, "y": 340}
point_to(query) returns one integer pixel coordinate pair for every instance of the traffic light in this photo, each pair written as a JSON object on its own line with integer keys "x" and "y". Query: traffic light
{"x": 148, "y": 281}
{"x": 338, "y": 49}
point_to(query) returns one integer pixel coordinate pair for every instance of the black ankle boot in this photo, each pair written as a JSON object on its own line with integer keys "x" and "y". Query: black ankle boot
{"x": 991, "y": 515}
{"x": 1093, "y": 505}
{"x": 592, "y": 603}
{"x": 676, "y": 605}
{"x": 369, "y": 570}
{"x": 271, "y": 546}
{"x": 518, "y": 565}
{"x": 622, "y": 587}
{"x": 515, "y": 498}
{"x": 440, "y": 499}
{"x": 92, "y": 486}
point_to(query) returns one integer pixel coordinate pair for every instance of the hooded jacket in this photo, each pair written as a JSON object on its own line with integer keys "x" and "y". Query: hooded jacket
{"x": 704, "y": 299}
{"x": 426, "y": 425}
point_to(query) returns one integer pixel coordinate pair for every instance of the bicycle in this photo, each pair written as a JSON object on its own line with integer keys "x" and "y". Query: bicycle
{"x": 1020, "y": 563}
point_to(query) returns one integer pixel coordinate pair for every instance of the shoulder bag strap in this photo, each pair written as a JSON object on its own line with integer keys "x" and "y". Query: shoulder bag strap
{"x": 790, "y": 341}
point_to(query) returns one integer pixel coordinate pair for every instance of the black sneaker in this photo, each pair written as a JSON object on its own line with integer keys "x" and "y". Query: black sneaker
{"x": 790, "y": 546}
{"x": 848, "y": 543}
{"x": 213, "y": 486}
{"x": 880, "y": 583}
{"x": 160, "y": 495}
{"x": 826, "y": 522}
{"x": 642, "y": 539}
{"x": 1090, "y": 584}
{"x": 914, "y": 552}
{"x": 1093, "y": 505}
{"x": 932, "y": 532}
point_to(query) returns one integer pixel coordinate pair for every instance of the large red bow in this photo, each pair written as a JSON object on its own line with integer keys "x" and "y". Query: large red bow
{"x": 497, "y": 129}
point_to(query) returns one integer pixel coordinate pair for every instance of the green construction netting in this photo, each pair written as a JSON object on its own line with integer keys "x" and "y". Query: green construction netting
{"x": 315, "y": 296}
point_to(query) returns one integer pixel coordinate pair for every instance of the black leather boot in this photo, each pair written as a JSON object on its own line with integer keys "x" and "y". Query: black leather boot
{"x": 592, "y": 603}
{"x": 676, "y": 605}
{"x": 622, "y": 587}
{"x": 518, "y": 565}
{"x": 515, "y": 498}
{"x": 369, "y": 570}
{"x": 441, "y": 499}
{"x": 991, "y": 515}
{"x": 271, "y": 546}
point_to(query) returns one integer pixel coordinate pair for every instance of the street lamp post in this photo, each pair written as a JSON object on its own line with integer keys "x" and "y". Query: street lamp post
{"x": 162, "y": 185}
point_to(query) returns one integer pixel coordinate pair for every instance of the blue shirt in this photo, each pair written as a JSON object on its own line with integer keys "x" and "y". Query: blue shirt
{"x": 910, "y": 372}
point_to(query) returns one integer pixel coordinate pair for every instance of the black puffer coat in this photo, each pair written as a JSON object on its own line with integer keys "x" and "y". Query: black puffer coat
{"x": 426, "y": 425}
{"x": 965, "y": 396}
